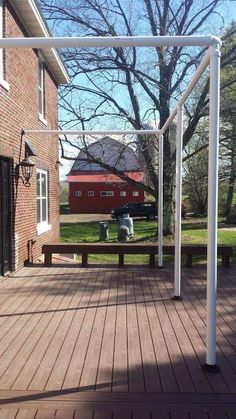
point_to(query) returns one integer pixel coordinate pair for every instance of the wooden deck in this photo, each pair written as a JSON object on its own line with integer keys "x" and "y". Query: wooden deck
{"x": 110, "y": 343}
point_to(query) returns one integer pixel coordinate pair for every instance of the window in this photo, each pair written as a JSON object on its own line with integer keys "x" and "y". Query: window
{"x": 135, "y": 193}
{"x": 122, "y": 193}
{"x": 107, "y": 193}
{"x": 42, "y": 202}
{"x": 2, "y": 51}
{"x": 90, "y": 193}
{"x": 78, "y": 193}
{"x": 41, "y": 91}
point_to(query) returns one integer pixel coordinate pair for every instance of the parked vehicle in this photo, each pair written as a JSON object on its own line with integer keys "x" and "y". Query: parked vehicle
{"x": 136, "y": 209}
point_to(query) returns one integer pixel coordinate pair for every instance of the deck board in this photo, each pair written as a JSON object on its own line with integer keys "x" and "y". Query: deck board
{"x": 90, "y": 365}
{"x": 109, "y": 343}
{"x": 57, "y": 375}
{"x": 26, "y": 414}
{"x": 198, "y": 311}
{"x": 150, "y": 367}
{"x": 135, "y": 362}
{"x": 75, "y": 369}
{"x": 182, "y": 375}
{"x": 105, "y": 365}
{"x": 189, "y": 342}
{"x": 120, "y": 363}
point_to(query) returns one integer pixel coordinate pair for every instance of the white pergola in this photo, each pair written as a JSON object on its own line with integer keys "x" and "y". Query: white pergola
{"x": 212, "y": 59}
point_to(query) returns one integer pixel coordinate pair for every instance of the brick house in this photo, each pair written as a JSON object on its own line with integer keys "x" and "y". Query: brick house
{"x": 29, "y": 79}
{"x": 92, "y": 189}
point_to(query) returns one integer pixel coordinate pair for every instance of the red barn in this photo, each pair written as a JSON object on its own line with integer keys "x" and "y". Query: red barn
{"x": 29, "y": 78}
{"x": 95, "y": 190}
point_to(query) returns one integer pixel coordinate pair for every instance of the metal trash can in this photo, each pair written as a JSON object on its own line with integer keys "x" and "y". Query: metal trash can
{"x": 103, "y": 231}
{"x": 127, "y": 221}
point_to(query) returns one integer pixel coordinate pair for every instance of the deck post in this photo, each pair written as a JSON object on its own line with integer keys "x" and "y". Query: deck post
{"x": 160, "y": 202}
{"x": 178, "y": 203}
{"x": 210, "y": 365}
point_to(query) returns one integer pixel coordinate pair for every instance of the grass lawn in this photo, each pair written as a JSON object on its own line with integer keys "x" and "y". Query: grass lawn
{"x": 193, "y": 231}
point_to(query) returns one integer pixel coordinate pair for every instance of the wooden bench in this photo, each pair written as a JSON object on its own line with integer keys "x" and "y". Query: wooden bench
{"x": 122, "y": 249}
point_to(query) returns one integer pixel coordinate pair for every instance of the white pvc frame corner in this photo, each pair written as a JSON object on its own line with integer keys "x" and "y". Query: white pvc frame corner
{"x": 212, "y": 57}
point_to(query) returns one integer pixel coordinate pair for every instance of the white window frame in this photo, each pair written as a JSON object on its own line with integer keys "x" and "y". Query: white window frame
{"x": 90, "y": 193}
{"x": 123, "y": 193}
{"x": 78, "y": 193}
{"x": 42, "y": 226}
{"x": 106, "y": 193}
{"x": 41, "y": 90}
{"x": 135, "y": 193}
{"x": 3, "y": 82}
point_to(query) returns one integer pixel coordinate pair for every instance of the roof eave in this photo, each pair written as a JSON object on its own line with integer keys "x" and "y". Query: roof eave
{"x": 32, "y": 19}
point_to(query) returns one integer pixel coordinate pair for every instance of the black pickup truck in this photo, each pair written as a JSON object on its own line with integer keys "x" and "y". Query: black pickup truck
{"x": 136, "y": 209}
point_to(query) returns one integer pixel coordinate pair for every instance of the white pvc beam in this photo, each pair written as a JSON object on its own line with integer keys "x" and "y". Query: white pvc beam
{"x": 169, "y": 120}
{"x": 160, "y": 202}
{"x": 213, "y": 206}
{"x": 90, "y": 132}
{"x": 200, "y": 70}
{"x": 108, "y": 42}
{"x": 178, "y": 203}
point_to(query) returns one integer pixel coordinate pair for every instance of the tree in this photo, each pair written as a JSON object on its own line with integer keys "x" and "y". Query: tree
{"x": 195, "y": 173}
{"x": 228, "y": 168}
{"x": 132, "y": 86}
{"x": 196, "y": 159}
{"x": 228, "y": 122}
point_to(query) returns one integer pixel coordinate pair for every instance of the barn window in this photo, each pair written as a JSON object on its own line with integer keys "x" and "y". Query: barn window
{"x": 107, "y": 193}
{"x": 122, "y": 193}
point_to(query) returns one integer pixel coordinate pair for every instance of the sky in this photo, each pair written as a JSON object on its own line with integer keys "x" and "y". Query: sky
{"x": 227, "y": 11}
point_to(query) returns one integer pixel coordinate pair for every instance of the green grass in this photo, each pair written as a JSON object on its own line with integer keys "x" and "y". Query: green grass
{"x": 194, "y": 231}
{"x": 234, "y": 198}
{"x": 89, "y": 232}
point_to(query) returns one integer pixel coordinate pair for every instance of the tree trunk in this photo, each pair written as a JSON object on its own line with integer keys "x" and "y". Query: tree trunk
{"x": 168, "y": 187}
{"x": 168, "y": 208}
{"x": 168, "y": 171}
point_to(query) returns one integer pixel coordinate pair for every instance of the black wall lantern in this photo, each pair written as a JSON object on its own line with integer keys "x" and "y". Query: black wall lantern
{"x": 26, "y": 165}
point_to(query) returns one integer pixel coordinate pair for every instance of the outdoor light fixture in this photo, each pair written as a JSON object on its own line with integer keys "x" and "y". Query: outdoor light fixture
{"x": 58, "y": 164}
{"x": 24, "y": 169}
{"x": 27, "y": 167}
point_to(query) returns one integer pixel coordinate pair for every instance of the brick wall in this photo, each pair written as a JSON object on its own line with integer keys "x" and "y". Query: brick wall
{"x": 19, "y": 109}
{"x": 100, "y": 204}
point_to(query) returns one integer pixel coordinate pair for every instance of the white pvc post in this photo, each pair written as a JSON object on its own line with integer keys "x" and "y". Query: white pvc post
{"x": 160, "y": 202}
{"x": 213, "y": 208}
{"x": 178, "y": 203}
